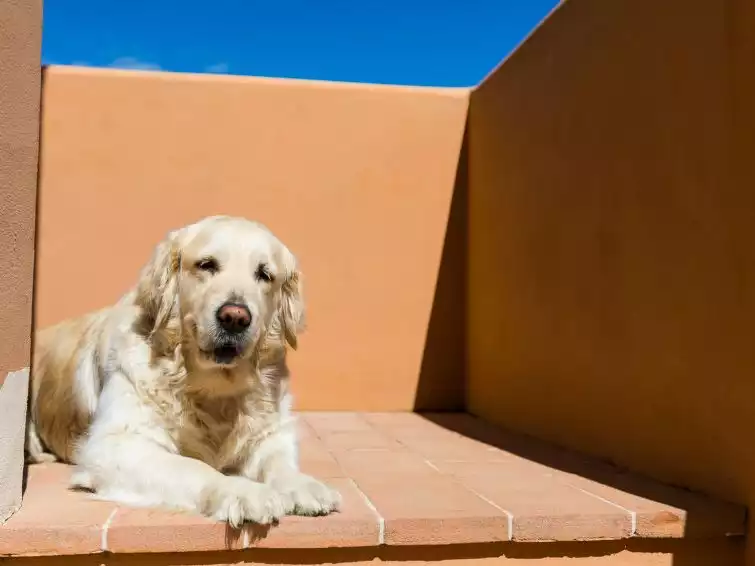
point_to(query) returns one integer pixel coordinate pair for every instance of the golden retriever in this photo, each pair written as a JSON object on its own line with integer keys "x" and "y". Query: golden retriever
{"x": 178, "y": 395}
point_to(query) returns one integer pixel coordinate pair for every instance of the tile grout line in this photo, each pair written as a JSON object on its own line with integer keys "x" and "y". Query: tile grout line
{"x": 376, "y": 429}
{"x": 302, "y": 417}
{"x": 381, "y": 520}
{"x": 632, "y": 514}
{"x": 105, "y": 528}
{"x": 509, "y": 514}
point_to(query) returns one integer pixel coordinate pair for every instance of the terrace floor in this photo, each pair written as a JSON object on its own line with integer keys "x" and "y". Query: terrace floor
{"x": 406, "y": 480}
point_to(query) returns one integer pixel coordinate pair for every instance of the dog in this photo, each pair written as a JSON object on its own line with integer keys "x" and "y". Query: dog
{"x": 178, "y": 395}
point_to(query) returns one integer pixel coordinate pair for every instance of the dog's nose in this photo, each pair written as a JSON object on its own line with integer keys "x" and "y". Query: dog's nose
{"x": 234, "y": 318}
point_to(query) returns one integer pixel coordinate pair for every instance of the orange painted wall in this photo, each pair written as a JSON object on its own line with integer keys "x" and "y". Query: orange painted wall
{"x": 357, "y": 180}
{"x": 20, "y": 44}
{"x": 612, "y": 238}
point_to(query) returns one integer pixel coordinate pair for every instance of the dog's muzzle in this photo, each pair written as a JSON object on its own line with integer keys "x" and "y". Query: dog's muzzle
{"x": 233, "y": 320}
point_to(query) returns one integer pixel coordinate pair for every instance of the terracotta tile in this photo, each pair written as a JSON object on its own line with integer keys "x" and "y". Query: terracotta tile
{"x": 447, "y": 479}
{"x": 349, "y": 431}
{"x": 358, "y": 464}
{"x": 465, "y": 424}
{"x": 147, "y": 530}
{"x": 359, "y": 440}
{"x": 53, "y": 519}
{"x": 543, "y": 508}
{"x": 660, "y": 511}
{"x": 419, "y": 436}
{"x": 663, "y": 512}
{"x": 431, "y": 439}
{"x": 401, "y": 422}
{"x": 327, "y": 422}
{"x": 304, "y": 432}
{"x": 472, "y": 439}
{"x": 356, "y": 525}
{"x": 417, "y": 433}
{"x": 315, "y": 460}
{"x": 157, "y": 530}
{"x": 453, "y": 448}
{"x": 432, "y": 509}
{"x": 507, "y": 463}
{"x": 470, "y": 427}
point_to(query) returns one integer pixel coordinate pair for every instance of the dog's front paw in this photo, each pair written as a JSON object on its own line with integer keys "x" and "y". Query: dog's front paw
{"x": 304, "y": 495}
{"x": 237, "y": 500}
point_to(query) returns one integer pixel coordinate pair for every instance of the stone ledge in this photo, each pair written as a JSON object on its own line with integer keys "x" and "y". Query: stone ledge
{"x": 407, "y": 480}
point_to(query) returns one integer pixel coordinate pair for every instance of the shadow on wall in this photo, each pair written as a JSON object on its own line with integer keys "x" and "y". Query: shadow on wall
{"x": 442, "y": 385}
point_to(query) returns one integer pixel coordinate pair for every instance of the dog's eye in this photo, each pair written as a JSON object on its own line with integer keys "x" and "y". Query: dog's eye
{"x": 262, "y": 274}
{"x": 207, "y": 264}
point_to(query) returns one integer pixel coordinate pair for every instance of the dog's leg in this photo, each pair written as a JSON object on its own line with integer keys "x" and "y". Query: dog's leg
{"x": 275, "y": 463}
{"x": 133, "y": 470}
{"x": 128, "y": 457}
{"x": 34, "y": 449}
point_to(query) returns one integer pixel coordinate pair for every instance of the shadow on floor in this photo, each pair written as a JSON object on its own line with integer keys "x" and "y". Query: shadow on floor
{"x": 695, "y": 549}
{"x": 631, "y": 553}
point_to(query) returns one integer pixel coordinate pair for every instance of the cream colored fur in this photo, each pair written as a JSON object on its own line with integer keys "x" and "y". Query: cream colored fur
{"x": 131, "y": 396}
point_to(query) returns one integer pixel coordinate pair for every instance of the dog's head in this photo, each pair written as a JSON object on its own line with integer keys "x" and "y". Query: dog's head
{"x": 221, "y": 287}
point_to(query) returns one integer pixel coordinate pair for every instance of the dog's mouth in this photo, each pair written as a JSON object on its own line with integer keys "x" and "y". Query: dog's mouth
{"x": 225, "y": 354}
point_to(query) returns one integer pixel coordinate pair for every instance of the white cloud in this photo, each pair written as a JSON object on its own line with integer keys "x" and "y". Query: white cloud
{"x": 81, "y": 63}
{"x": 217, "y": 68}
{"x": 134, "y": 63}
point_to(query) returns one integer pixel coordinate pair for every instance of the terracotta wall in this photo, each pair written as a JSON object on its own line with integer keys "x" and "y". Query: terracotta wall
{"x": 20, "y": 44}
{"x": 612, "y": 238}
{"x": 358, "y": 181}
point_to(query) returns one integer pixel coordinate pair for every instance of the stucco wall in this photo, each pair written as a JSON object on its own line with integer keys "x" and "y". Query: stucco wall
{"x": 357, "y": 180}
{"x": 20, "y": 42}
{"x": 612, "y": 239}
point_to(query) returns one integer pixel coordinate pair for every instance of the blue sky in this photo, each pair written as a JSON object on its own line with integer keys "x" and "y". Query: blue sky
{"x": 414, "y": 42}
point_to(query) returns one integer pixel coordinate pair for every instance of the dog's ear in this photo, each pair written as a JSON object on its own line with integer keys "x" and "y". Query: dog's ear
{"x": 157, "y": 290}
{"x": 292, "y": 301}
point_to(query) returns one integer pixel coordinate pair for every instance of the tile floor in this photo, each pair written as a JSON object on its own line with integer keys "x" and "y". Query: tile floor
{"x": 406, "y": 479}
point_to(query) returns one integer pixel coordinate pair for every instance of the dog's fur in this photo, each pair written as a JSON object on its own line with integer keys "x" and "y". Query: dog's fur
{"x": 136, "y": 397}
